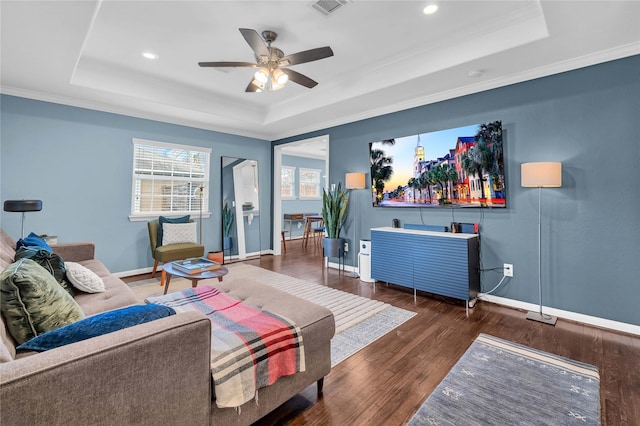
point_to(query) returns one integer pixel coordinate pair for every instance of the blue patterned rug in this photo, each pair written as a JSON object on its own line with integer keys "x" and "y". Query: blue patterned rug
{"x": 497, "y": 382}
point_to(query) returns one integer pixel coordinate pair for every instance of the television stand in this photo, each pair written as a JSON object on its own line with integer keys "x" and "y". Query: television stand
{"x": 440, "y": 263}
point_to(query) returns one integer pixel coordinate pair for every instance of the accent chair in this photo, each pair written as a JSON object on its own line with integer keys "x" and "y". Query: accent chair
{"x": 169, "y": 252}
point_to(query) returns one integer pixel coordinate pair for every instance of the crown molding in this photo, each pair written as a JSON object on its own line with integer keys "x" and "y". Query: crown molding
{"x": 532, "y": 74}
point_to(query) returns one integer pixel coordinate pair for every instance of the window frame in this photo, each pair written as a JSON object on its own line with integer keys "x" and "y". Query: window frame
{"x": 318, "y": 184}
{"x": 293, "y": 183}
{"x": 136, "y": 178}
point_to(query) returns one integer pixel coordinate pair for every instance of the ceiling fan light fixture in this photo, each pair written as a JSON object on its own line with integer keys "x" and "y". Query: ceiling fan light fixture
{"x": 262, "y": 75}
{"x": 430, "y": 9}
{"x": 274, "y": 85}
{"x": 280, "y": 77}
{"x": 270, "y": 75}
{"x": 150, "y": 55}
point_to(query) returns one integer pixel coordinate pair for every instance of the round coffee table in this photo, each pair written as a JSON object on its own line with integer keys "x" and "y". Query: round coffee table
{"x": 170, "y": 271}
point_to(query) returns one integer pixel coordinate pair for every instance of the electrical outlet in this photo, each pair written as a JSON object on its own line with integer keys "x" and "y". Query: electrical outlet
{"x": 346, "y": 247}
{"x": 508, "y": 270}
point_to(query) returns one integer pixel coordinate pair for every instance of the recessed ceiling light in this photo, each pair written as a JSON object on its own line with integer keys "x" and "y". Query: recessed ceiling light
{"x": 150, "y": 55}
{"x": 430, "y": 9}
{"x": 475, "y": 73}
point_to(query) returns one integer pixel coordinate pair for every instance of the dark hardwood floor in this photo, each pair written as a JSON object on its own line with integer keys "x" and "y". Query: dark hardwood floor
{"x": 385, "y": 383}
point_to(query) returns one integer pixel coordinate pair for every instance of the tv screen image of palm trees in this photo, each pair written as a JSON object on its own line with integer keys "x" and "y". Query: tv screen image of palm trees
{"x": 459, "y": 167}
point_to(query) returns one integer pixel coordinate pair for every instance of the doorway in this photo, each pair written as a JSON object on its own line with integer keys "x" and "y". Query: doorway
{"x": 314, "y": 148}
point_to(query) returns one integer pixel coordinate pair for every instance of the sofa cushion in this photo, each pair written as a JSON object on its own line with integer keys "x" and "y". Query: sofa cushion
{"x": 117, "y": 294}
{"x": 162, "y": 220}
{"x": 84, "y": 278}
{"x": 7, "y": 250}
{"x": 97, "y": 325}
{"x": 33, "y": 240}
{"x": 7, "y": 344}
{"x": 33, "y": 302}
{"x": 316, "y": 322}
{"x": 49, "y": 261}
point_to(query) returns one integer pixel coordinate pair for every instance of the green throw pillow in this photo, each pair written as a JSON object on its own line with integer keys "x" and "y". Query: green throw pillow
{"x": 49, "y": 261}
{"x": 33, "y": 302}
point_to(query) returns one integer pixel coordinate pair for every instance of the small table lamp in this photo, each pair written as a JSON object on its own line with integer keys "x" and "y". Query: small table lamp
{"x": 22, "y": 206}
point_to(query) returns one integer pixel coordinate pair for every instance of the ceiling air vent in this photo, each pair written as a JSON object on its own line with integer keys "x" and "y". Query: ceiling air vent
{"x": 327, "y": 7}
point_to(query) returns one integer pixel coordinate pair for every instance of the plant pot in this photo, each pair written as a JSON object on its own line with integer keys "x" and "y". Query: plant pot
{"x": 333, "y": 247}
{"x": 227, "y": 243}
{"x": 216, "y": 256}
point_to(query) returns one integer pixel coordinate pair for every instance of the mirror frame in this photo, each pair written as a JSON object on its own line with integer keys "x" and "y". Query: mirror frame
{"x": 244, "y": 203}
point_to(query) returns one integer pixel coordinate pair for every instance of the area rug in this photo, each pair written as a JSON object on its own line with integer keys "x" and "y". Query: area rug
{"x": 359, "y": 321}
{"x": 497, "y": 382}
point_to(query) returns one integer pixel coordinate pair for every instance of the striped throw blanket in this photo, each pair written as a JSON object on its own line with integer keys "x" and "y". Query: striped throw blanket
{"x": 250, "y": 347}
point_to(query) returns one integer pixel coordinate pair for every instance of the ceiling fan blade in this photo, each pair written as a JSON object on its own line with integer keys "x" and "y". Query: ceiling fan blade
{"x": 255, "y": 41}
{"x": 227, "y": 64}
{"x": 301, "y": 79}
{"x": 306, "y": 56}
{"x": 253, "y": 87}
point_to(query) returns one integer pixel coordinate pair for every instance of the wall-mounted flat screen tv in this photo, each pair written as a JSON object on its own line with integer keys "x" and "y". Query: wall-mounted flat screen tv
{"x": 454, "y": 168}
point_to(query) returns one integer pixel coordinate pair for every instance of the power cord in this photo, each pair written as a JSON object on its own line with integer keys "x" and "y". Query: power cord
{"x": 493, "y": 289}
{"x": 499, "y": 268}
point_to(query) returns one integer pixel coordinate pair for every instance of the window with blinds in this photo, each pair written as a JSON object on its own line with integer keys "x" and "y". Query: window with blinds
{"x": 310, "y": 183}
{"x": 167, "y": 179}
{"x": 288, "y": 182}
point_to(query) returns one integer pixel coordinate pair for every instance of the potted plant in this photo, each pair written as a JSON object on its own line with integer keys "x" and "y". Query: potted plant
{"x": 227, "y": 221}
{"x": 334, "y": 210}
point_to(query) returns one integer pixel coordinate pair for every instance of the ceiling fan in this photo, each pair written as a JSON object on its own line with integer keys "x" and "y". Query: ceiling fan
{"x": 271, "y": 61}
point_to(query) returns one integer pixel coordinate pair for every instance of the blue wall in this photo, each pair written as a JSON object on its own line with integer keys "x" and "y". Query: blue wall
{"x": 589, "y": 119}
{"x": 79, "y": 163}
{"x": 298, "y": 205}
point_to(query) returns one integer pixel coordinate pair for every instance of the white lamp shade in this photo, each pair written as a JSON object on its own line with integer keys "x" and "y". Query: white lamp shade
{"x": 541, "y": 175}
{"x": 355, "y": 180}
{"x": 262, "y": 75}
{"x": 280, "y": 77}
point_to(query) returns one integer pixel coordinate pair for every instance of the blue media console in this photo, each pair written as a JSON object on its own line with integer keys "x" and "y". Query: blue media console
{"x": 440, "y": 263}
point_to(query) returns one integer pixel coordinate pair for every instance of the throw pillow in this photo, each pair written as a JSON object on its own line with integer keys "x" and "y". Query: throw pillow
{"x": 33, "y": 302}
{"x": 84, "y": 278}
{"x": 179, "y": 233}
{"x": 97, "y": 325}
{"x": 162, "y": 220}
{"x": 33, "y": 240}
{"x": 49, "y": 261}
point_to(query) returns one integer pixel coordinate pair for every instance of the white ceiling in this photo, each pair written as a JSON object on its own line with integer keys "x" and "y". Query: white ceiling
{"x": 388, "y": 56}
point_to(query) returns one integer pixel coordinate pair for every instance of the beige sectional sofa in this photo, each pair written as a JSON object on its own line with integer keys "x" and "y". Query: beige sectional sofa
{"x": 153, "y": 373}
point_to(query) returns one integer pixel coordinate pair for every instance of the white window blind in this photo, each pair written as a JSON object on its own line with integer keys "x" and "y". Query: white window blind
{"x": 167, "y": 179}
{"x": 309, "y": 183}
{"x": 288, "y": 182}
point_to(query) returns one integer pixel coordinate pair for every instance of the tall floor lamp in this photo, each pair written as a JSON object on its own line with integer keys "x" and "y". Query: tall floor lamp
{"x": 354, "y": 180}
{"x": 22, "y": 206}
{"x": 201, "y": 197}
{"x": 541, "y": 175}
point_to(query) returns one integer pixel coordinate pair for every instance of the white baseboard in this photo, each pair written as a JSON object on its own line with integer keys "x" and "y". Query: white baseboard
{"x": 135, "y": 272}
{"x": 573, "y": 316}
{"x": 334, "y": 265}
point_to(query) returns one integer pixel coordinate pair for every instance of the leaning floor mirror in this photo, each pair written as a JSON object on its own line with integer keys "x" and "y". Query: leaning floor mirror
{"x": 240, "y": 208}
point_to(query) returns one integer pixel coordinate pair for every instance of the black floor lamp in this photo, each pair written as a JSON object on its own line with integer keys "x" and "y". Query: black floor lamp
{"x": 22, "y": 206}
{"x": 541, "y": 175}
